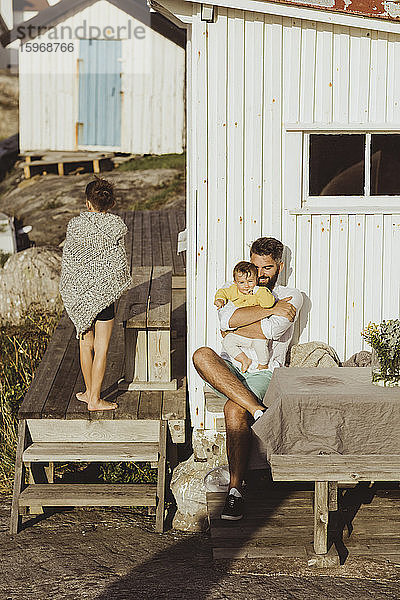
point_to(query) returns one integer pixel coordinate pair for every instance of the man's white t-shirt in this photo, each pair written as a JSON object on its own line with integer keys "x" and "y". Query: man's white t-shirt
{"x": 277, "y": 330}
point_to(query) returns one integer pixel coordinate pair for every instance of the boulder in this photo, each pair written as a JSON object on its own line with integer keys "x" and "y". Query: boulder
{"x": 313, "y": 354}
{"x": 187, "y": 483}
{"x": 30, "y": 278}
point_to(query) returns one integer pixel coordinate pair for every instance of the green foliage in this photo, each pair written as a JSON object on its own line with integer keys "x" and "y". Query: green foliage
{"x": 128, "y": 473}
{"x": 167, "y": 192}
{"x": 21, "y": 350}
{"x": 384, "y": 338}
{"x": 4, "y": 256}
{"x": 154, "y": 161}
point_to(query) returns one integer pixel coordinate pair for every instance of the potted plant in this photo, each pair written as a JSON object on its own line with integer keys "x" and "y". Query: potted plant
{"x": 384, "y": 338}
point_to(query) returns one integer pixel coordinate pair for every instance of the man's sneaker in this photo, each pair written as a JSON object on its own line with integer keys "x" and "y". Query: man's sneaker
{"x": 233, "y": 509}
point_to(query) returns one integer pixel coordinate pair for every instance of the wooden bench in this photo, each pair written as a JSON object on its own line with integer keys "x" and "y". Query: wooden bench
{"x": 328, "y": 472}
{"x": 55, "y": 427}
{"x": 147, "y": 324}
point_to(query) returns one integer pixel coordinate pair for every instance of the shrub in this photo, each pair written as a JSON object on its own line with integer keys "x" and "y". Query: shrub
{"x": 21, "y": 349}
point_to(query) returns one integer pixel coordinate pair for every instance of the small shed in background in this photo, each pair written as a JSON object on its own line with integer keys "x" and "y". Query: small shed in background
{"x": 293, "y": 132}
{"x": 103, "y": 75}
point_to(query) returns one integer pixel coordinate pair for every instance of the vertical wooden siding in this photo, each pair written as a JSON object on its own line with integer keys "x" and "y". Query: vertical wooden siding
{"x": 152, "y": 85}
{"x": 251, "y": 73}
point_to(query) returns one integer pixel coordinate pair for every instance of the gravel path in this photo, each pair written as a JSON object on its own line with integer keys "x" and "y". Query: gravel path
{"x": 115, "y": 555}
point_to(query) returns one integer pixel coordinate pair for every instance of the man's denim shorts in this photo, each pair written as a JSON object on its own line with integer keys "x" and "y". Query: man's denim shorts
{"x": 255, "y": 381}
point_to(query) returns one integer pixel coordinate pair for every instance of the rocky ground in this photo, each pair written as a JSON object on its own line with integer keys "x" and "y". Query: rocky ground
{"x": 115, "y": 555}
{"x": 48, "y": 202}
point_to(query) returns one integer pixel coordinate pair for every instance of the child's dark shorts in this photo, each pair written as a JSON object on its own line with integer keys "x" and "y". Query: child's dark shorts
{"x": 106, "y": 314}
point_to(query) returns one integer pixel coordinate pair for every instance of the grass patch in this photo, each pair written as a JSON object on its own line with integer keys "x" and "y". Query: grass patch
{"x": 21, "y": 349}
{"x": 128, "y": 473}
{"x": 155, "y": 161}
{"x": 165, "y": 193}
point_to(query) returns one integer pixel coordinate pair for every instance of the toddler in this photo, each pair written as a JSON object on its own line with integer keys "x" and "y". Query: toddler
{"x": 245, "y": 292}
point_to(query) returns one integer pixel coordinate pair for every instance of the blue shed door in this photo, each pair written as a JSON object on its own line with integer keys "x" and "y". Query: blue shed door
{"x": 100, "y": 93}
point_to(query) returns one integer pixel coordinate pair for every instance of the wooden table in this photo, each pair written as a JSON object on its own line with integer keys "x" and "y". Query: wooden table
{"x": 329, "y": 426}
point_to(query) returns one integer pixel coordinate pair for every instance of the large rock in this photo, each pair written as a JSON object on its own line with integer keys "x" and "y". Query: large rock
{"x": 313, "y": 354}
{"x": 187, "y": 483}
{"x": 30, "y": 278}
{"x": 48, "y": 203}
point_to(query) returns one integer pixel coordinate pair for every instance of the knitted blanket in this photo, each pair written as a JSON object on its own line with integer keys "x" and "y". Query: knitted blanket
{"x": 94, "y": 268}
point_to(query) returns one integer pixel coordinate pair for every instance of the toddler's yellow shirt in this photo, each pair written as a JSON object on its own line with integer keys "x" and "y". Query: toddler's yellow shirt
{"x": 262, "y": 297}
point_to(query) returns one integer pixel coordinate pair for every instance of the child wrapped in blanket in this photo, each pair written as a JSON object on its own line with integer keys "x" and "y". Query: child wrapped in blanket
{"x": 245, "y": 292}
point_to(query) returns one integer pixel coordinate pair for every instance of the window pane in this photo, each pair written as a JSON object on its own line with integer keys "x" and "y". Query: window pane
{"x": 385, "y": 165}
{"x": 337, "y": 165}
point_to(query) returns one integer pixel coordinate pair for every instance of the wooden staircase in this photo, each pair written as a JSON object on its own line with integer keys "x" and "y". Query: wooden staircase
{"x": 36, "y": 456}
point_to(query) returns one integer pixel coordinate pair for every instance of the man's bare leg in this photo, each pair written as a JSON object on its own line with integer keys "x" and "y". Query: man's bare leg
{"x": 238, "y": 440}
{"x": 212, "y": 368}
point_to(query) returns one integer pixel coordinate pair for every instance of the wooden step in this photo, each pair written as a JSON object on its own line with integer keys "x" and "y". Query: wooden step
{"x": 91, "y": 452}
{"x": 60, "y": 494}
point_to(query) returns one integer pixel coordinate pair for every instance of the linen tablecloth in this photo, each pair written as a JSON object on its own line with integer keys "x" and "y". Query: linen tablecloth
{"x": 325, "y": 411}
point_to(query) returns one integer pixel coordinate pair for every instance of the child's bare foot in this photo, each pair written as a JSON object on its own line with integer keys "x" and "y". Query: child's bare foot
{"x": 100, "y": 404}
{"x": 245, "y": 362}
{"x": 262, "y": 367}
{"x": 83, "y": 396}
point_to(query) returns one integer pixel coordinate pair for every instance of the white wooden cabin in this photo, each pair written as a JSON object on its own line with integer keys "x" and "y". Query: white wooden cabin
{"x": 114, "y": 83}
{"x": 286, "y": 106}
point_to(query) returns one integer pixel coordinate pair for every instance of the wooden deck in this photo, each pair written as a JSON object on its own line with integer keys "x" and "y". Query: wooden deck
{"x": 278, "y": 525}
{"x": 151, "y": 240}
{"x": 56, "y": 427}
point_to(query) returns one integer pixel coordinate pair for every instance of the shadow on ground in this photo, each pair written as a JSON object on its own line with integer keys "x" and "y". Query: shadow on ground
{"x": 114, "y": 554}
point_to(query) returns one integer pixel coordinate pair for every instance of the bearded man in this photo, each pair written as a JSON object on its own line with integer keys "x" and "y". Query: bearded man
{"x": 276, "y": 326}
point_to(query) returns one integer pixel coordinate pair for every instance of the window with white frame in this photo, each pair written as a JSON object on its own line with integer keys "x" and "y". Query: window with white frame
{"x": 351, "y": 168}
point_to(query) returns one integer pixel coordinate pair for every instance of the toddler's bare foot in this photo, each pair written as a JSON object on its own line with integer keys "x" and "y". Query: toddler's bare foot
{"x": 99, "y": 404}
{"x": 245, "y": 362}
{"x": 262, "y": 367}
{"x": 83, "y": 396}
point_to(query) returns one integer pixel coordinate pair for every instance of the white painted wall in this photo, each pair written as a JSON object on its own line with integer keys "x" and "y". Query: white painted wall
{"x": 152, "y": 82}
{"x": 251, "y": 74}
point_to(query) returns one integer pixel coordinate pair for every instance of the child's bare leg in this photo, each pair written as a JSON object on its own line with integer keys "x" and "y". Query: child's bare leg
{"x": 86, "y": 346}
{"x": 261, "y": 348}
{"x": 102, "y": 337}
{"x": 233, "y": 344}
{"x": 244, "y": 360}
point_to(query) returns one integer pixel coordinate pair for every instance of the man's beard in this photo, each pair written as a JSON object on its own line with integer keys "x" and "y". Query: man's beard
{"x": 269, "y": 282}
